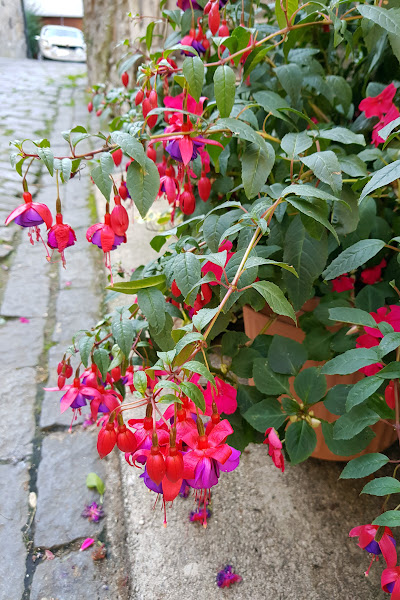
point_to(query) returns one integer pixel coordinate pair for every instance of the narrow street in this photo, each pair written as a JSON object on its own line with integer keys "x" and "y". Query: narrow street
{"x": 43, "y": 467}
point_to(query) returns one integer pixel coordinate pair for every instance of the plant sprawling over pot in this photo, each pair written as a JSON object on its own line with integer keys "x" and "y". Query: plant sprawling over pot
{"x": 273, "y": 133}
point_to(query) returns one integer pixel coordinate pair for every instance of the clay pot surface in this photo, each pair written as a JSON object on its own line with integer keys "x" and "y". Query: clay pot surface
{"x": 254, "y": 323}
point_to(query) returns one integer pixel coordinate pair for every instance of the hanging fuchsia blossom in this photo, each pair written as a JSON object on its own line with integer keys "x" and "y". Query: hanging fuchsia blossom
{"x": 61, "y": 236}
{"x": 216, "y": 269}
{"x": 385, "y": 544}
{"x": 275, "y": 448}
{"x": 31, "y": 215}
{"x": 390, "y": 582}
{"x": 103, "y": 236}
{"x": 386, "y": 119}
{"x": 195, "y": 40}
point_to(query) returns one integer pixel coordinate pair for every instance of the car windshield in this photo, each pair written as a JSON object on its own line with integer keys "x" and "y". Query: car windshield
{"x": 60, "y": 32}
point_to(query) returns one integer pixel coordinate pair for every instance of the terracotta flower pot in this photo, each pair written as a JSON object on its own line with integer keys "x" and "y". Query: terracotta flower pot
{"x": 254, "y": 323}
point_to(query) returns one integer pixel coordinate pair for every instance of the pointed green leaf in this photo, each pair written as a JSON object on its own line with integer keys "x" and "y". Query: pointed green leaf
{"x": 224, "y": 89}
{"x": 193, "y": 70}
{"x": 143, "y": 184}
{"x": 365, "y": 465}
{"x": 301, "y": 440}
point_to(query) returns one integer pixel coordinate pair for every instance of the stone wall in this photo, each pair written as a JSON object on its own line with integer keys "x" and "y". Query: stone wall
{"x": 12, "y": 38}
{"x": 105, "y": 24}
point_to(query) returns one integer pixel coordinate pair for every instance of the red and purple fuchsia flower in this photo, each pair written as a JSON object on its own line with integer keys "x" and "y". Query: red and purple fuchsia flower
{"x": 30, "y": 215}
{"x": 376, "y": 540}
{"x": 275, "y": 448}
{"x": 390, "y": 582}
{"x": 226, "y": 577}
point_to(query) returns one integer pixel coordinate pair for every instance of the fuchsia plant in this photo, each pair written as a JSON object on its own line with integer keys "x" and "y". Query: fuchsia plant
{"x": 279, "y": 163}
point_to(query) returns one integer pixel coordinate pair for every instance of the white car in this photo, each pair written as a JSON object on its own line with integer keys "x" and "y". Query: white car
{"x": 58, "y": 42}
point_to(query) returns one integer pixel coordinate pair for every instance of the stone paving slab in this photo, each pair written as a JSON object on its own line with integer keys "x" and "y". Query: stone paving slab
{"x": 16, "y": 394}
{"x": 21, "y": 344}
{"x": 70, "y": 316}
{"x": 73, "y": 577}
{"x": 13, "y": 516}
{"x": 51, "y": 416}
{"x": 285, "y": 534}
{"x": 62, "y": 493}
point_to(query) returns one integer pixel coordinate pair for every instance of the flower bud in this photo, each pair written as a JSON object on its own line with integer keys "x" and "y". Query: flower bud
{"x": 174, "y": 465}
{"x": 90, "y": 107}
{"x": 223, "y": 30}
{"x": 153, "y": 99}
{"x": 151, "y": 153}
{"x": 117, "y": 157}
{"x": 126, "y": 440}
{"x": 61, "y": 382}
{"x": 106, "y": 440}
{"x": 139, "y": 97}
{"x": 155, "y": 465}
{"x": 204, "y": 187}
{"x": 119, "y": 218}
{"x": 214, "y": 18}
{"x": 125, "y": 79}
{"x": 123, "y": 191}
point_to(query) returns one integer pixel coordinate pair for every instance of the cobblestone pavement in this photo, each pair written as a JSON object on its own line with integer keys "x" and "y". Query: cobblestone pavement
{"x": 43, "y": 467}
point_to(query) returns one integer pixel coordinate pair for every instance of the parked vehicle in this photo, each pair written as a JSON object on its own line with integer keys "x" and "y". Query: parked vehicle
{"x": 58, "y": 42}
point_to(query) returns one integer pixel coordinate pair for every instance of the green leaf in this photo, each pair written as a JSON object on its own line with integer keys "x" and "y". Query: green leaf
{"x": 346, "y": 447}
{"x": 308, "y": 191}
{"x": 351, "y": 361}
{"x": 286, "y": 356}
{"x": 391, "y": 371}
{"x": 203, "y": 317}
{"x": 308, "y": 256}
{"x": 152, "y": 304}
{"x": 310, "y": 385}
{"x": 256, "y": 167}
{"x": 224, "y": 89}
{"x": 187, "y": 339}
{"x": 130, "y": 145}
{"x": 381, "y": 487}
{"x": 350, "y": 424}
{"x": 267, "y": 381}
{"x": 197, "y": 367}
{"x": 85, "y": 346}
{"x": 336, "y": 397}
{"x": 353, "y": 165}
{"x": 390, "y": 342}
{"x": 342, "y": 135}
{"x": 124, "y": 333}
{"x": 94, "y": 481}
{"x": 390, "y": 518}
{"x": 389, "y": 20}
{"x": 143, "y": 184}
{"x": 295, "y": 143}
{"x": 275, "y": 298}
{"x": 140, "y": 382}
{"x": 383, "y": 177}
{"x": 301, "y": 440}
{"x": 47, "y": 156}
{"x": 272, "y": 103}
{"x": 289, "y": 7}
{"x": 102, "y": 360}
{"x": 291, "y": 79}
{"x": 242, "y": 131}
{"x": 316, "y": 209}
{"x": 149, "y": 34}
{"x": 64, "y": 166}
{"x": 187, "y": 272}
{"x": 362, "y": 390}
{"x": 365, "y": 465}
{"x": 131, "y": 287}
{"x": 355, "y": 316}
{"x": 325, "y": 166}
{"x": 101, "y": 174}
{"x": 192, "y": 391}
{"x": 264, "y": 414}
{"x": 118, "y": 357}
{"x": 193, "y": 70}
{"x": 353, "y": 257}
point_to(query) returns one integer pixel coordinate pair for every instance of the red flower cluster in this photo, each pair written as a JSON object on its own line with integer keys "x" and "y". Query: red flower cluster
{"x": 380, "y": 106}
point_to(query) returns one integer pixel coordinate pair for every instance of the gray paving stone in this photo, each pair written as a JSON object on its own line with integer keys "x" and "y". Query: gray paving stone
{"x": 13, "y": 516}
{"x": 62, "y": 492}
{"x": 72, "y": 577}
{"x": 17, "y": 397}
{"x": 77, "y": 308}
{"x": 27, "y": 290}
{"x": 51, "y": 416}
{"x": 21, "y": 343}
{"x": 80, "y": 270}
{"x": 7, "y": 233}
